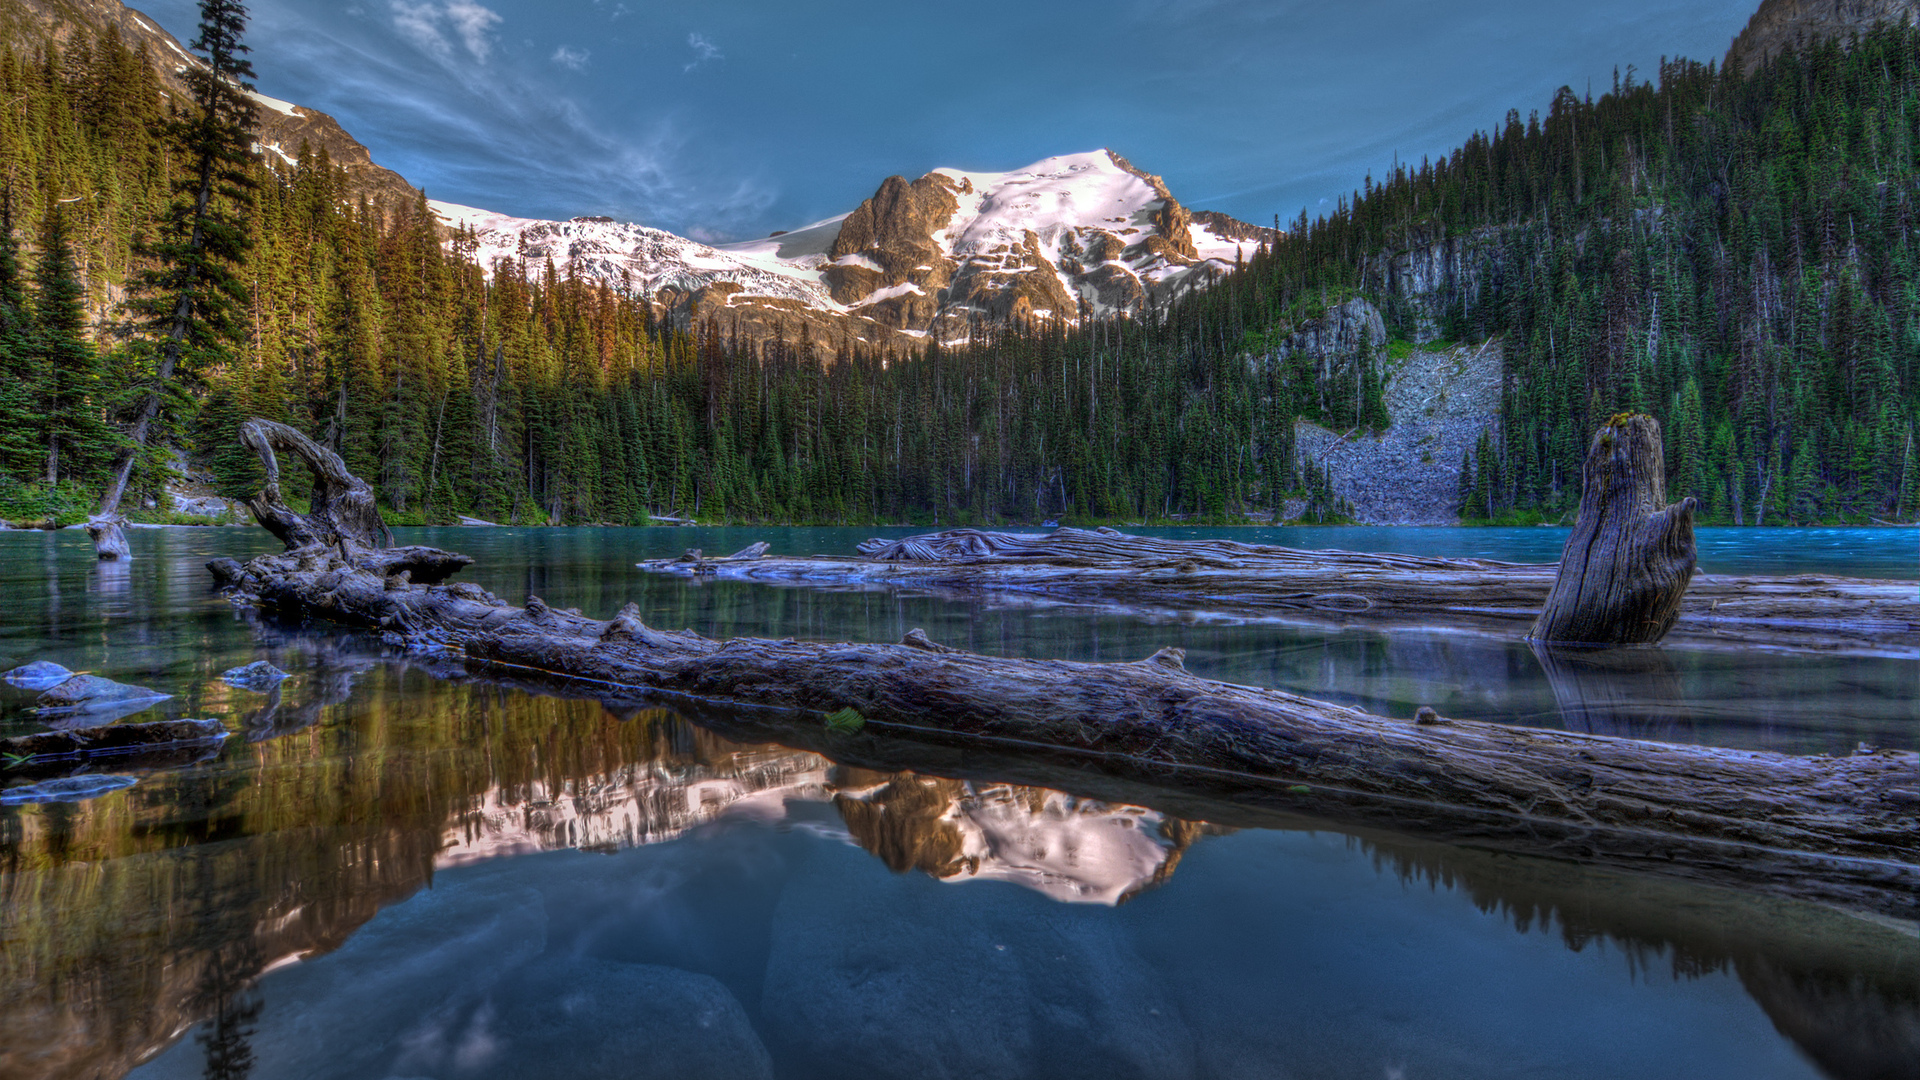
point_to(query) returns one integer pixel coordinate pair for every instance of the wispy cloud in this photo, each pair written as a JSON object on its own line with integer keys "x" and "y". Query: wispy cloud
{"x": 569, "y": 57}
{"x": 703, "y": 51}
{"x": 435, "y": 27}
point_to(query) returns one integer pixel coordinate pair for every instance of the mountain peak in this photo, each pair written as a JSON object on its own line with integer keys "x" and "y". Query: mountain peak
{"x": 1780, "y": 25}
{"x": 1066, "y": 236}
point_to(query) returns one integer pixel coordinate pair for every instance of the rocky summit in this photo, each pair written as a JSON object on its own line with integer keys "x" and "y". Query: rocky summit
{"x": 928, "y": 259}
{"x": 1780, "y": 25}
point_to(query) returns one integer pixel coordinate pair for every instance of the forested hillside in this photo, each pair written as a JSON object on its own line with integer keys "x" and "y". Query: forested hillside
{"x": 1732, "y": 254}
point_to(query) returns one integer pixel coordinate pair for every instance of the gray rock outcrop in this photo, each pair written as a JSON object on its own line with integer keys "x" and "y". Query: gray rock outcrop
{"x": 1780, "y": 25}
{"x": 1409, "y": 474}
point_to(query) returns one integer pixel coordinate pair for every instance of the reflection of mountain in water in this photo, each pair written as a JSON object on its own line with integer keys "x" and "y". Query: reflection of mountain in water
{"x": 1073, "y": 850}
{"x": 641, "y": 803}
{"x": 127, "y": 919}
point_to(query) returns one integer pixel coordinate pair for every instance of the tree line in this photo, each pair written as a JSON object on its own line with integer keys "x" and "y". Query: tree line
{"x": 1729, "y": 253}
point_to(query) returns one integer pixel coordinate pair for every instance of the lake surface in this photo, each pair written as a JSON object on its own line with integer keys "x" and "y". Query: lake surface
{"x": 396, "y": 870}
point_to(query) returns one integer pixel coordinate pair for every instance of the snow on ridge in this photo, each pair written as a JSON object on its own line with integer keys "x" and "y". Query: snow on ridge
{"x": 1062, "y": 201}
{"x": 651, "y": 259}
{"x": 285, "y": 108}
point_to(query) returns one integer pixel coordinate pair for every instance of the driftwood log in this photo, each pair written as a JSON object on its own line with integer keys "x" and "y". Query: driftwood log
{"x": 1630, "y": 555}
{"x": 109, "y": 535}
{"x": 1844, "y": 830}
{"x": 343, "y": 506}
{"x": 1839, "y": 829}
{"x": 1115, "y": 570}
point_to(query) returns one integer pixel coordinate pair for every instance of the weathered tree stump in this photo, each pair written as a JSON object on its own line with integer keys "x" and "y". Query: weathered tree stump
{"x": 109, "y": 537}
{"x": 1630, "y": 556}
{"x": 343, "y": 504}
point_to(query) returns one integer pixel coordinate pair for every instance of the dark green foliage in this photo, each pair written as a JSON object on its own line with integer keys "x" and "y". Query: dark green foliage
{"x": 1730, "y": 254}
{"x": 191, "y": 298}
{"x": 21, "y": 451}
{"x": 64, "y": 366}
{"x": 1733, "y": 255}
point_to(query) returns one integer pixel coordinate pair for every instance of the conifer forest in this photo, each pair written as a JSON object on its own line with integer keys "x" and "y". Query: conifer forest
{"x": 1731, "y": 254}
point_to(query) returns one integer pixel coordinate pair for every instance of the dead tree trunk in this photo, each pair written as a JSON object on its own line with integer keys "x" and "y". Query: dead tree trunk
{"x": 343, "y": 504}
{"x": 1837, "y": 829}
{"x": 109, "y": 537}
{"x": 1630, "y": 557}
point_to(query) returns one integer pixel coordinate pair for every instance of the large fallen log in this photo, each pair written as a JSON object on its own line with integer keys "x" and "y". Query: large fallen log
{"x": 1845, "y": 830}
{"x": 1110, "y": 569}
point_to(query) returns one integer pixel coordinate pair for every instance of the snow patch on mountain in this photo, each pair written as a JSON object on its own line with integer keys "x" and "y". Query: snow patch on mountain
{"x": 1072, "y": 233}
{"x": 643, "y": 260}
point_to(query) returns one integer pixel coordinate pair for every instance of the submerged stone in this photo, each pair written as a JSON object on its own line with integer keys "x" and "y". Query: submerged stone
{"x": 66, "y": 789}
{"x": 258, "y": 676}
{"x": 91, "y": 693}
{"x": 39, "y": 675}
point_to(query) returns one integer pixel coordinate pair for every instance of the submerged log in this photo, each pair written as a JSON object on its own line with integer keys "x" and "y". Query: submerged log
{"x": 1630, "y": 555}
{"x": 23, "y": 750}
{"x": 1840, "y": 829}
{"x": 1262, "y": 581}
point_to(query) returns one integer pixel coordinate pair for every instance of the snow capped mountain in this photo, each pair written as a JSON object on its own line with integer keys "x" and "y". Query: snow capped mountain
{"x": 1064, "y": 237}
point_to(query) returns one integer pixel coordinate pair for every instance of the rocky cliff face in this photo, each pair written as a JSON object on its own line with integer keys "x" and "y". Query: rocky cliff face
{"x": 280, "y": 128}
{"x": 1439, "y": 400}
{"x": 1780, "y": 25}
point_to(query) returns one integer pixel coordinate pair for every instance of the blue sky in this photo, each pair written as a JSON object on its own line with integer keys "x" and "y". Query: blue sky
{"x": 731, "y": 118}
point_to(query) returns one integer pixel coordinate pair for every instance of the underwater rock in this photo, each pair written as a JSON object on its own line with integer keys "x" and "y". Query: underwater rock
{"x": 66, "y": 789}
{"x": 113, "y": 739}
{"x": 39, "y": 675}
{"x": 259, "y": 676}
{"x": 91, "y": 693}
{"x": 566, "y": 1018}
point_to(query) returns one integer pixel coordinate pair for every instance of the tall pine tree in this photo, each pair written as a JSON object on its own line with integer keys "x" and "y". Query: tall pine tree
{"x": 194, "y": 301}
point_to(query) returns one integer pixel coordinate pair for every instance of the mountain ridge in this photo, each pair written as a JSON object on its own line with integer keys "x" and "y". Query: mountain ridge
{"x": 1780, "y": 25}
{"x": 928, "y": 259}
{"x": 280, "y": 128}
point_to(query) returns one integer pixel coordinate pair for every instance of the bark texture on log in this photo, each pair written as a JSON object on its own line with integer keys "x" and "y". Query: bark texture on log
{"x": 343, "y": 506}
{"x": 1839, "y": 829}
{"x": 1842, "y": 830}
{"x": 1630, "y": 556}
{"x": 1261, "y": 581}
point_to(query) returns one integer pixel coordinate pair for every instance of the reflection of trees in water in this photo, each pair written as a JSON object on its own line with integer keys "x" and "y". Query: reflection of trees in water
{"x": 111, "y": 911}
{"x": 125, "y": 919}
{"x": 1845, "y": 990}
{"x": 225, "y": 993}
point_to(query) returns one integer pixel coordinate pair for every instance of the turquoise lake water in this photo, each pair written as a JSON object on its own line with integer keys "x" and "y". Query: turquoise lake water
{"x": 390, "y": 872}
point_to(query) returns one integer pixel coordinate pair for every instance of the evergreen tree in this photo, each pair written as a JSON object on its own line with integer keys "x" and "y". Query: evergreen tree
{"x": 194, "y": 301}
{"x": 72, "y": 434}
{"x": 21, "y": 452}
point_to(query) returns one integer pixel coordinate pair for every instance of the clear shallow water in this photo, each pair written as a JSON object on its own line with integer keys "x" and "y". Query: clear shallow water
{"x": 452, "y": 879}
